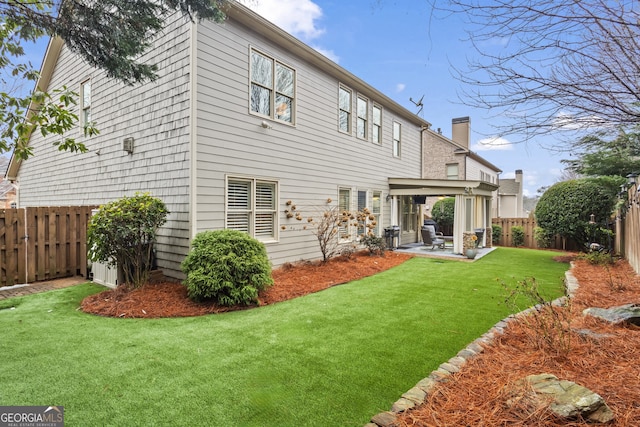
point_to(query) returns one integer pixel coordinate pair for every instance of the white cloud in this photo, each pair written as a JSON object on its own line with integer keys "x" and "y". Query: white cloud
{"x": 567, "y": 121}
{"x": 400, "y": 87}
{"x": 297, "y": 17}
{"x": 492, "y": 143}
{"x": 328, "y": 53}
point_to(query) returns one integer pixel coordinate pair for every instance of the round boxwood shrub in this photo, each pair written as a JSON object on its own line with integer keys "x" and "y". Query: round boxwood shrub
{"x": 226, "y": 266}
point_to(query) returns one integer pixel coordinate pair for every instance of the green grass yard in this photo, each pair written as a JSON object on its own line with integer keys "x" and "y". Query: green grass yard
{"x": 334, "y": 358}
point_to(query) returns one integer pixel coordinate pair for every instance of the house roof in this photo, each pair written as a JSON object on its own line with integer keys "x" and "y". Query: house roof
{"x": 260, "y": 25}
{"x": 46, "y": 71}
{"x": 5, "y": 186}
{"x": 484, "y": 161}
{"x": 509, "y": 186}
{"x": 439, "y": 187}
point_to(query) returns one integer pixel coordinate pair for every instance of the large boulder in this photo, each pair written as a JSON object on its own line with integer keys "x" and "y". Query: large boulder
{"x": 565, "y": 399}
{"x": 628, "y": 313}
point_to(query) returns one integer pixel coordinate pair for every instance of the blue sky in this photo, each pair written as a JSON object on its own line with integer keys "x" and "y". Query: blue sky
{"x": 403, "y": 50}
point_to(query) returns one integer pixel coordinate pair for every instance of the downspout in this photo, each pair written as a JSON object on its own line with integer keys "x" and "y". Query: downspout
{"x": 193, "y": 108}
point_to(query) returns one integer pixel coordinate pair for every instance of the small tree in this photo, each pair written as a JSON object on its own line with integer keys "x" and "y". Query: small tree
{"x": 331, "y": 226}
{"x": 122, "y": 233}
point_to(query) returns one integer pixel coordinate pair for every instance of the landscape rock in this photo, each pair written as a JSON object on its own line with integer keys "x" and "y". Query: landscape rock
{"x": 385, "y": 419}
{"x": 564, "y": 398}
{"x": 628, "y": 313}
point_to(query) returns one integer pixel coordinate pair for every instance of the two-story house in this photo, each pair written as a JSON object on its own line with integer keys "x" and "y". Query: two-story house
{"x": 242, "y": 118}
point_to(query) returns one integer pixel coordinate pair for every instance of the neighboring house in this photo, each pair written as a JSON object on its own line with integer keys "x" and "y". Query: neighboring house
{"x": 509, "y": 203}
{"x": 7, "y": 190}
{"x": 451, "y": 169}
{"x": 242, "y": 119}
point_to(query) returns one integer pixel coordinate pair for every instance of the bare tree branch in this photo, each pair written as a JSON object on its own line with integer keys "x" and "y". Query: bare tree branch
{"x": 545, "y": 65}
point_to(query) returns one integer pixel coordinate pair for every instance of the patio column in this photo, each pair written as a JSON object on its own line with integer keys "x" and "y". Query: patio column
{"x": 394, "y": 211}
{"x": 458, "y": 224}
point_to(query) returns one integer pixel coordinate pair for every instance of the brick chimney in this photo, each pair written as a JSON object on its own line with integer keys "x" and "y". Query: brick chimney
{"x": 461, "y": 131}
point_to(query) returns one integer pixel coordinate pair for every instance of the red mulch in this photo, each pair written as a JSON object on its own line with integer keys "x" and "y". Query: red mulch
{"x": 609, "y": 366}
{"x": 169, "y": 299}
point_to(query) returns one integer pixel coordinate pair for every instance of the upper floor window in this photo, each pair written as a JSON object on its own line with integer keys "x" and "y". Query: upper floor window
{"x": 397, "y": 141}
{"x": 272, "y": 88}
{"x": 251, "y": 207}
{"x": 452, "y": 171}
{"x": 344, "y": 106}
{"x": 363, "y": 118}
{"x": 376, "y": 131}
{"x": 85, "y": 104}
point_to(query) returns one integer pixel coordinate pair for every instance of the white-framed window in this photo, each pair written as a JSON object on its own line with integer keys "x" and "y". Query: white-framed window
{"x": 376, "y": 131}
{"x": 409, "y": 214}
{"x": 362, "y": 204}
{"x": 397, "y": 139}
{"x": 273, "y": 88}
{"x": 362, "y": 123}
{"x": 344, "y": 205}
{"x": 251, "y": 207}
{"x": 452, "y": 171}
{"x": 85, "y": 103}
{"x": 344, "y": 109}
{"x": 376, "y": 211}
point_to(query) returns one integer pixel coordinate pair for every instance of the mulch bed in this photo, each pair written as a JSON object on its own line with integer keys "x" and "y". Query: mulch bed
{"x": 476, "y": 395}
{"x": 169, "y": 299}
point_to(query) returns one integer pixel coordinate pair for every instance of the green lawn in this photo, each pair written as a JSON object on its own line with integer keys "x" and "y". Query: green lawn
{"x": 334, "y": 358}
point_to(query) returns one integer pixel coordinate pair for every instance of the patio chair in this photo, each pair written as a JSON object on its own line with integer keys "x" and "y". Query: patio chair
{"x": 431, "y": 238}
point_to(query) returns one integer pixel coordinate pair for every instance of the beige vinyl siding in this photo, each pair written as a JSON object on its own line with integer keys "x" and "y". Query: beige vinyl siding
{"x": 310, "y": 161}
{"x": 155, "y": 114}
{"x": 476, "y": 171}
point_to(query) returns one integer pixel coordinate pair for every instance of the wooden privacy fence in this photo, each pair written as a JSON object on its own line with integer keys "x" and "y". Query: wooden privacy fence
{"x": 629, "y": 229}
{"x": 529, "y": 225}
{"x": 43, "y": 243}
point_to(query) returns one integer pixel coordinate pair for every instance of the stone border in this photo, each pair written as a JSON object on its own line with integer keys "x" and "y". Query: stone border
{"x": 420, "y": 392}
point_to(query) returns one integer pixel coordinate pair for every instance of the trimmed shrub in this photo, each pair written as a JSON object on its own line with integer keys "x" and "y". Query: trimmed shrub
{"x": 496, "y": 233}
{"x": 517, "y": 235}
{"x": 566, "y": 207}
{"x": 122, "y": 233}
{"x": 375, "y": 244}
{"x": 543, "y": 239}
{"x": 226, "y": 266}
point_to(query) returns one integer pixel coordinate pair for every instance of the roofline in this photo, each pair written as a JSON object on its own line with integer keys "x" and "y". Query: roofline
{"x": 46, "y": 72}
{"x": 475, "y": 156}
{"x": 439, "y": 187}
{"x": 260, "y": 25}
{"x": 459, "y": 149}
{"x": 255, "y": 22}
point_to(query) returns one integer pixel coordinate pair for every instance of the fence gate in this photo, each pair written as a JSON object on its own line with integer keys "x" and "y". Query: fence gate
{"x": 43, "y": 243}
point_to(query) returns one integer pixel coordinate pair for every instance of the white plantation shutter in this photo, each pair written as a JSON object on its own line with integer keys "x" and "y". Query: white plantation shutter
{"x": 265, "y": 209}
{"x": 239, "y": 205}
{"x": 252, "y": 207}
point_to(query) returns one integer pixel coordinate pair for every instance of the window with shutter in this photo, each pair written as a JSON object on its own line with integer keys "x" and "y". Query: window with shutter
{"x": 252, "y": 207}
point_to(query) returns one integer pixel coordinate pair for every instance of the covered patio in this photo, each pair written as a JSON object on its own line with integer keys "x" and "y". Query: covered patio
{"x": 472, "y": 209}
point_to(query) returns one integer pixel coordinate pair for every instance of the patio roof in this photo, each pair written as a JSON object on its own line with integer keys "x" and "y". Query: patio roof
{"x": 439, "y": 187}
